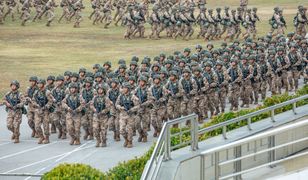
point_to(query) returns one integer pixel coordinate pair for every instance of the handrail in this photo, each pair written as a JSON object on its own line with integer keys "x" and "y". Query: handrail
{"x": 164, "y": 140}
{"x": 241, "y": 142}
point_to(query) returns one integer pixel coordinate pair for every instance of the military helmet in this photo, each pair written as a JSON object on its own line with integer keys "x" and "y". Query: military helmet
{"x": 169, "y": 61}
{"x": 254, "y": 9}
{"x": 210, "y": 44}
{"x": 53, "y": 78}
{"x": 89, "y": 74}
{"x": 271, "y": 52}
{"x": 290, "y": 34}
{"x": 227, "y": 7}
{"x": 248, "y": 10}
{"x": 162, "y": 55}
{"x": 186, "y": 70}
{"x": 133, "y": 63}
{"x": 156, "y": 77}
{"x": 98, "y": 74}
{"x": 218, "y": 9}
{"x": 233, "y": 11}
{"x": 198, "y": 46}
{"x": 68, "y": 73}
{"x": 280, "y": 48}
{"x": 208, "y": 64}
{"x": 103, "y": 87}
{"x": 143, "y": 78}
{"x": 121, "y": 61}
{"x": 122, "y": 66}
{"x": 108, "y": 63}
{"x": 82, "y": 70}
{"x": 41, "y": 81}
{"x": 234, "y": 60}
{"x": 210, "y": 11}
{"x": 198, "y": 68}
{"x": 132, "y": 78}
{"x": 164, "y": 71}
{"x": 74, "y": 74}
{"x": 252, "y": 57}
{"x": 135, "y": 58}
{"x": 96, "y": 66}
{"x": 16, "y": 83}
{"x": 276, "y": 9}
{"x": 115, "y": 80}
{"x": 187, "y": 50}
{"x": 126, "y": 85}
{"x": 219, "y": 63}
{"x": 173, "y": 73}
{"x": 60, "y": 78}
{"x": 89, "y": 80}
{"x": 73, "y": 85}
{"x": 194, "y": 57}
{"x": 33, "y": 78}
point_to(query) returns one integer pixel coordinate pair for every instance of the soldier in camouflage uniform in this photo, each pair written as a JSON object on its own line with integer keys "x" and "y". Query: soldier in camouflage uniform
{"x": 25, "y": 12}
{"x": 127, "y": 103}
{"x": 211, "y": 29}
{"x": 200, "y": 98}
{"x": 107, "y": 10}
{"x": 42, "y": 102}
{"x": 142, "y": 119}
{"x": 246, "y": 86}
{"x": 296, "y": 61}
{"x": 223, "y": 79}
{"x": 113, "y": 94}
{"x": 120, "y": 11}
{"x": 154, "y": 21}
{"x": 129, "y": 23}
{"x": 266, "y": 75}
{"x": 31, "y": 109}
{"x": 14, "y": 102}
{"x": 188, "y": 89}
{"x": 255, "y": 79}
{"x": 1, "y": 11}
{"x": 225, "y": 21}
{"x": 100, "y": 105}
{"x": 254, "y": 19}
{"x": 58, "y": 116}
{"x": 243, "y": 5}
{"x": 277, "y": 22}
{"x": 157, "y": 99}
{"x": 73, "y": 106}
{"x": 211, "y": 83}
{"x": 50, "y": 86}
{"x": 87, "y": 94}
{"x": 78, "y": 6}
{"x": 235, "y": 79}
{"x": 11, "y": 4}
{"x": 50, "y": 8}
{"x": 283, "y": 68}
{"x": 203, "y": 22}
{"x": 300, "y": 21}
{"x": 174, "y": 97}
{"x": 38, "y": 5}
{"x": 65, "y": 5}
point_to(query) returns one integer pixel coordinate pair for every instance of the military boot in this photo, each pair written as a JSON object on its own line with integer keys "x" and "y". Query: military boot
{"x": 53, "y": 128}
{"x": 63, "y": 135}
{"x": 140, "y": 138}
{"x": 129, "y": 144}
{"x": 104, "y": 143}
{"x": 145, "y": 139}
{"x": 16, "y": 140}
{"x": 77, "y": 141}
{"x": 46, "y": 140}
{"x": 41, "y": 140}
{"x": 13, "y": 137}
{"x": 98, "y": 142}
{"x": 117, "y": 137}
{"x": 48, "y": 23}
{"x": 23, "y": 23}
{"x": 91, "y": 136}
{"x": 60, "y": 134}
{"x": 125, "y": 143}
{"x": 72, "y": 141}
{"x": 85, "y": 137}
{"x": 33, "y": 133}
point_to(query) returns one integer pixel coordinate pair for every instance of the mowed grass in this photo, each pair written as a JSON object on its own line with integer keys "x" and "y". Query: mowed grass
{"x": 39, "y": 50}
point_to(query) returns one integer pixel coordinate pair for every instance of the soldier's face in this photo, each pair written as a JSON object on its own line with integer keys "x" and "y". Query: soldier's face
{"x": 172, "y": 78}
{"x": 50, "y": 81}
{"x": 168, "y": 65}
{"x": 98, "y": 79}
{"x": 207, "y": 68}
{"x": 95, "y": 70}
{"x": 125, "y": 90}
{"x": 197, "y": 73}
{"x": 244, "y": 61}
{"x": 32, "y": 83}
{"x": 13, "y": 87}
{"x": 233, "y": 64}
{"x": 88, "y": 84}
{"x": 74, "y": 79}
{"x": 72, "y": 90}
{"x": 40, "y": 85}
{"x": 59, "y": 83}
{"x": 186, "y": 74}
{"x": 131, "y": 82}
{"x": 156, "y": 81}
{"x": 100, "y": 91}
{"x": 218, "y": 67}
{"x": 251, "y": 61}
{"x": 81, "y": 74}
{"x": 122, "y": 70}
{"x": 66, "y": 78}
{"x": 182, "y": 64}
{"x": 106, "y": 66}
{"x": 113, "y": 85}
{"x": 132, "y": 67}
{"x": 162, "y": 76}
{"x": 142, "y": 83}
{"x": 293, "y": 49}
{"x": 155, "y": 68}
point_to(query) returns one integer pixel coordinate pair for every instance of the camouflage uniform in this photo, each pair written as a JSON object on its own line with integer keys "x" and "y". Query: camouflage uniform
{"x": 1, "y": 11}
{"x": 243, "y": 5}
{"x": 50, "y": 8}
{"x": 154, "y": 21}
{"x": 87, "y": 95}
{"x": 120, "y": 11}
{"x": 300, "y": 21}
{"x": 157, "y": 98}
{"x": 73, "y": 105}
{"x": 283, "y": 69}
{"x": 42, "y": 101}
{"x": 113, "y": 94}
{"x": 107, "y": 9}
{"x": 255, "y": 79}
{"x": 203, "y": 22}
{"x": 296, "y": 61}
{"x": 78, "y": 6}
{"x": 188, "y": 89}
{"x": 11, "y": 4}
{"x": 65, "y": 5}
{"x": 38, "y": 5}
{"x": 14, "y": 102}
{"x": 211, "y": 83}
{"x": 174, "y": 97}
{"x": 129, "y": 23}
{"x": 31, "y": 109}
{"x": 58, "y": 116}
{"x": 277, "y": 22}
{"x": 25, "y": 12}
{"x": 235, "y": 79}
{"x": 223, "y": 79}
{"x": 266, "y": 75}
{"x": 127, "y": 104}
{"x": 100, "y": 105}
{"x": 211, "y": 29}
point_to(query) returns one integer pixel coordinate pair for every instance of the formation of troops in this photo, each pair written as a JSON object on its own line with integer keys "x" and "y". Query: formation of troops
{"x": 177, "y": 18}
{"x": 143, "y": 93}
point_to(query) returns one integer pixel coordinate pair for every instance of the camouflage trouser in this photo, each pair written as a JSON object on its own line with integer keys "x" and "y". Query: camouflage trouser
{"x": 231, "y": 32}
{"x": 25, "y": 15}
{"x": 50, "y": 15}
{"x": 246, "y": 90}
{"x": 238, "y": 30}
{"x": 9, "y": 11}
{"x": 187, "y": 106}
{"x": 255, "y": 90}
{"x": 129, "y": 31}
{"x": 127, "y": 123}
{"x": 293, "y": 78}
{"x": 279, "y": 30}
{"x": 73, "y": 124}
{"x": 301, "y": 29}
{"x": 223, "y": 29}
{"x": 87, "y": 122}
{"x": 97, "y": 15}
{"x": 173, "y": 108}
{"x": 30, "y": 117}
{"x": 188, "y": 31}
{"x": 200, "y": 106}
{"x": 120, "y": 16}
{"x": 113, "y": 122}
{"x": 41, "y": 117}
{"x": 210, "y": 32}
{"x": 155, "y": 29}
{"x": 222, "y": 95}
{"x": 234, "y": 94}
{"x": 65, "y": 13}
{"x": 263, "y": 88}
{"x": 142, "y": 122}
{"x": 58, "y": 118}
{"x": 100, "y": 125}
{"x": 284, "y": 79}
{"x": 39, "y": 10}
{"x": 140, "y": 29}
{"x": 78, "y": 18}
{"x": 217, "y": 30}
{"x": 276, "y": 84}
{"x": 108, "y": 18}
{"x": 203, "y": 31}
{"x": 157, "y": 115}
{"x": 212, "y": 101}
{"x": 13, "y": 121}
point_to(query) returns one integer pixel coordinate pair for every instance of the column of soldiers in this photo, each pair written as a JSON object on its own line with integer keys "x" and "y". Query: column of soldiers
{"x": 138, "y": 96}
{"x": 175, "y": 18}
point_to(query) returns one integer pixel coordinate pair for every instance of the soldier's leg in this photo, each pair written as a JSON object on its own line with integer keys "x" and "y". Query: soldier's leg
{"x": 123, "y": 131}
{"x": 30, "y": 117}
{"x": 55, "y": 119}
{"x": 10, "y": 122}
{"x": 77, "y": 126}
{"x": 104, "y": 127}
{"x": 16, "y": 125}
{"x": 296, "y": 76}
{"x": 85, "y": 125}
{"x": 38, "y": 120}
{"x": 46, "y": 121}
{"x": 70, "y": 127}
{"x": 263, "y": 89}
{"x": 96, "y": 130}
{"x": 138, "y": 126}
{"x": 154, "y": 120}
{"x": 256, "y": 89}
{"x": 285, "y": 76}
{"x": 108, "y": 20}
{"x": 129, "y": 129}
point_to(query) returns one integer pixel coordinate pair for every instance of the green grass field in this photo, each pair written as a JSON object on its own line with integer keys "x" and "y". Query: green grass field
{"x": 38, "y": 50}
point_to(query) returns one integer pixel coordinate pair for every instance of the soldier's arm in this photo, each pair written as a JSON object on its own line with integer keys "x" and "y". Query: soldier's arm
{"x": 136, "y": 103}
{"x": 118, "y": 106}
{"x": 64, "y": 105}
{"x": 92, "y": 105}
{"x": 22, "y": 100}
{"x": 194, "y": 91}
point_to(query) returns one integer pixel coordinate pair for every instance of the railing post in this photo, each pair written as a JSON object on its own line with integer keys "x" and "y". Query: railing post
{"x": 271, "y": 154}
{"x": 216, "y": 165}
{"x": 202, "y": 167}
{"x": 273, "y": 115}
{"x": 167, "y": 155}
{"x": 249, "y": 124}
{"x": 194, "y": 134}
{"x": 238, "y": 164}
{"x": 294, "y": 108}
{"x": 224, "y": 132}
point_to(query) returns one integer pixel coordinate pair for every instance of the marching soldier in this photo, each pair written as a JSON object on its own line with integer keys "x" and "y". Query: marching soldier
{"x": 235, "y": 80}
{"x": 31, "y": 109}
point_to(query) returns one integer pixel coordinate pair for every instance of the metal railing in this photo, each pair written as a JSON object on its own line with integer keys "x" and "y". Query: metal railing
{"x": 163, "y": 148}
{"x": 237, "y": 145}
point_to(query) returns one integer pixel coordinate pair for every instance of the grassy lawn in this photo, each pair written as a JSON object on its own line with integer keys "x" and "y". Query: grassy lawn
{"x": 38, "y": 50}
